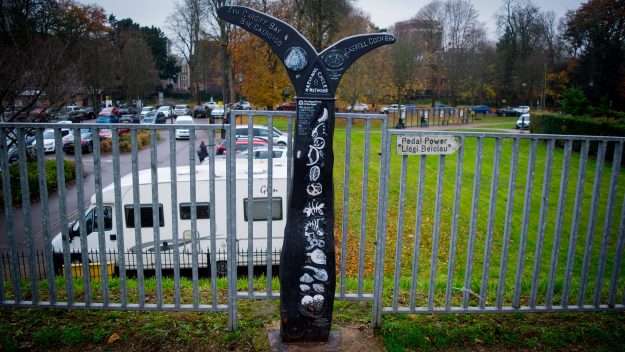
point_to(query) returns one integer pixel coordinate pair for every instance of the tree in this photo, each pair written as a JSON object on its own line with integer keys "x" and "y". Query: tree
{"x": 595, "y": 33}
{"x": 320, "y": 20}
{"x": 521, "y": 51}
{"x": 42, "y": 38}
{"x": 221, "y": 32}
{"x": 138, "y": 74}
{"x": 187, "y": 23}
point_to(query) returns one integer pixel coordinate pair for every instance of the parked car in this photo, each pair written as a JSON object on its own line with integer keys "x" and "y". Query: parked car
{"x": 71, "y": 113}
{"x": 262, "y": 152}
{"x": 480, "y": 109}
{"x": 287, "y": 107}
{"x": 127, "y": 111}
{"x": 200, "y": 112}
{"x": 391, "y": 108}
{"x": 49, "y": 144}
{"x": 218, "y": 112}
{"x": 180, "y": 110}
{"x": 243, "y": 105}
{"x": 522, "y": 109}
{"x": 210, "y": 105}
{"x": 262, "y": 131}
{"x": 507, "y": 111}
{"x": 240, "y": 145}
{"x": 523, "y": 122}
{"x": 111, "y": 110}
{"x": 358, "y": 107}
{"x": 183, "y": 132}
{"x": 107, "y": 118}
{"x": 86, "y": 141}
{"x": 154, "y": 117}
{"x": 165, "y": 109}
{"x": 146, "y": 109}
{"x": 129, "y": 118}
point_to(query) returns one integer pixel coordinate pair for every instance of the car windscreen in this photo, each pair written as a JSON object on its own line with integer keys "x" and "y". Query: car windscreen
{"x": 48, "y": 134}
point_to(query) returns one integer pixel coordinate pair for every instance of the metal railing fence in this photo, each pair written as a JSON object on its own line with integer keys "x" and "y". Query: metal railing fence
{"x": 430, "y": 117}
{"x": 508, "y": 223}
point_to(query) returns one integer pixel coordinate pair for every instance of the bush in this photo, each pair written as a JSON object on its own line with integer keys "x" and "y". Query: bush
{"x": 33, "y": 179}
{"x": 106, "y": 146}
{"x": 580, "y": 125}
{"x": 575, "y": 102}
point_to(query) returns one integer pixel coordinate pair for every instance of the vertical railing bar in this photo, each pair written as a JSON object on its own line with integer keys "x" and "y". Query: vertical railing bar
{"x": 345, "y": 224}
{"x": 454, "y": 225}
{"x": 474, "y": 210}
{"x": 620, "y": 244}
{"x": 400, "y": 232}
{"x": 363, "y": 218}
{"x": 232, "y": 234}
{"x": 250, "y": 207}
{"x": 616, "y": 167}
{"x": 380, "y": 240}
{"x": 97, "y": 175}
{"x": 194, "y": 232}
{"x": 81, "y": 214}
{"x": 577, "y": 208}
{"x": 64, "y": 230}
{"x": 544, "y": 207}
{"x": 503, "y": 265}
{"x": 8, "y": 211}
{"x": 118, "y": 222}
{"x": 437, "y": 228}
{"x": 213, "y": 225}
{"x": 173, "y": 177}
{"x": 416, "y": 249}
{"x": 494, "y": 186}
{"x": 269, "y": 209}
{"x": 527, "y": 206}
{"x": 557, "y": 236}
{"x": 26, "y": 210}
{"x": 137, "y": 217}
{"x": 591, "y": 223}
{"x": 156, "y": 216}
{"x": 43, "y": 200}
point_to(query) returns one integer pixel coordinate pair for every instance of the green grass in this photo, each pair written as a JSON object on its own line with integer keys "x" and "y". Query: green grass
{"x": 79, "y": 330}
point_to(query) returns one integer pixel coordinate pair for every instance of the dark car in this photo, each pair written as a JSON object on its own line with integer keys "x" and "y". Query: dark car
{"x": 481, "y": 109}
{"x": 108, "y": 118}
{"x": 86, "y": 141}
{"x": 200, "y": 112}
{"x": 127, "y": 111}
{"x": 507, "y": 111}
{"x": 129, "y": 118}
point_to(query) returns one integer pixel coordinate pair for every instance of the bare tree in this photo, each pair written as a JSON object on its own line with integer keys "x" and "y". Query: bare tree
{"x": 187, "y": 24}
{"x": 221, "y": 31}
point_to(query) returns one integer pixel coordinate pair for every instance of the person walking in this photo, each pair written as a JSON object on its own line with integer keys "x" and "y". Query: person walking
{"x": 202, "y": 153}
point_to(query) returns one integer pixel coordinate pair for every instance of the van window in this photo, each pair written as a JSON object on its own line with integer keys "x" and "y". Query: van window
{"x": 202, "y": 211}
{"x": 92, "y": 219}
{"x": 259, "y": 209}
{"x": 146, "y": 215}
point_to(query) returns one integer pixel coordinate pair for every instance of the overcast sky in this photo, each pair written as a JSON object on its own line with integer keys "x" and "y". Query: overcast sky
{"x": 384, "y": 13}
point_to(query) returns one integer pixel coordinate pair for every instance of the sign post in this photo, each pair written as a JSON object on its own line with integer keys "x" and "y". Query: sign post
{"x": 307, "y": 263}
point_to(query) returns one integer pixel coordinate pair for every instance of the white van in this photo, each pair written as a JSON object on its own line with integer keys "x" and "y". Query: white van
{"x": 183, "y": 132}
{"x": 183, "y": 210}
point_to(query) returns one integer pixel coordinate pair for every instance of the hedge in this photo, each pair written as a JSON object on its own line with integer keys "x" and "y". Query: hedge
{"x": 33, "y": 179}
{"x": 580, "y": 125}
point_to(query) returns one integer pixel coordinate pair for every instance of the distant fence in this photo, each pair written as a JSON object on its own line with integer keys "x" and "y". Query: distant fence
{"x": 431, "y": 117}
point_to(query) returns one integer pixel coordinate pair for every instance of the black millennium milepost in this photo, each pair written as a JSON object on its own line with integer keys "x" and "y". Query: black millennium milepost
{"x": 307, "y": 263}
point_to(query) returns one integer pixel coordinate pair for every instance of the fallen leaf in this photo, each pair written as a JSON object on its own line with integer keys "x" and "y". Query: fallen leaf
{"x": 114, "y": 337}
